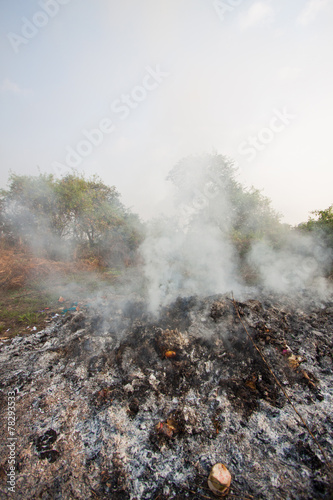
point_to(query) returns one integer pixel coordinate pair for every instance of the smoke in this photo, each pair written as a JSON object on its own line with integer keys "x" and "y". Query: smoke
{"x": 35, "y": 229}
{"x": 190, "y": 253}
{"x": 301, "y": 263}
{"x": 180, "y": 262}
{"x": 219, "y": 229}
{"x": 221, "y": 238}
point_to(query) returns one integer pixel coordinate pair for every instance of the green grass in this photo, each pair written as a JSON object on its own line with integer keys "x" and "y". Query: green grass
{"x": 29, "y": 318}
{"x": 22, "y": 308}
{"x": 33, "y": 304}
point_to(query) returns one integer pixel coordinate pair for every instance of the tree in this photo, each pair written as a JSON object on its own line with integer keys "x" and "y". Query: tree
{"x": 66, "y": 214}
{"x": 321, "y": 224}
{"x": 207, "y": 192}
{"x": 89, "y": 208}
{"x": 28, "y": 207}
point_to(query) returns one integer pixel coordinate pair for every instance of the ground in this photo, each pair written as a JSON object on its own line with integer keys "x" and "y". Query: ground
{"x": 111, "y": 402}
{"x": 30, "y": 288}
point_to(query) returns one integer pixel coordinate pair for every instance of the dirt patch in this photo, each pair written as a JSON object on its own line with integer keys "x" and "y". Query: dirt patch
{"x": 30, "y": 289}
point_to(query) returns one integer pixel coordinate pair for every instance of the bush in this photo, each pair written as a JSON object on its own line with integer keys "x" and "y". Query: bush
{"x": 66, "y": 218}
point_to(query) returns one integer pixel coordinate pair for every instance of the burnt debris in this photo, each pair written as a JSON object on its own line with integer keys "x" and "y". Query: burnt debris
{"x": 113, "y": 403}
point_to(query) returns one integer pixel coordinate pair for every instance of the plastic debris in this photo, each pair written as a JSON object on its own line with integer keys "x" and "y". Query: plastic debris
{"x": 61, "y": 299}
{"x": 219, "y": 480}
{"x": 68, "y": 309}
{"x": 286, "y": 350}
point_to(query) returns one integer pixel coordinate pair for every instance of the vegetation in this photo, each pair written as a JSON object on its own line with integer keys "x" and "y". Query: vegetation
{"x": 73, "y": 233}
{"x": 59, "y": 237}
{"x": 69, "y": 218}
{"x": 208, "y": 192}
{"x": 31, "y": 287}
{"x": 321, "y": 224}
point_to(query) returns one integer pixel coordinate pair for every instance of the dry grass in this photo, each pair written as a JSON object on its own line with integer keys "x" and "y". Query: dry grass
{"x": 30, "y": 288}
{"x": 14, "y": 269}
{"x": 19, "y": 266}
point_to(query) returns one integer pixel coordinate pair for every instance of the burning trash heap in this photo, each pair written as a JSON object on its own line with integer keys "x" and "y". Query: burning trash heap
{"x": 112, "y": 402}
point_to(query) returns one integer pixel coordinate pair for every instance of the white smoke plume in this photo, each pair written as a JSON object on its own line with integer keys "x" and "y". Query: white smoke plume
{"x": 300, "y": 263}
{"x": 189, "y": 254}
{"x": 184, "y": 263}
{"x": 197, "y": 251}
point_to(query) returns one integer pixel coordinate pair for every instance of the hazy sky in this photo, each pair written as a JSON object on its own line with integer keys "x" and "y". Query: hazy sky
{"x": 125, "y": 89}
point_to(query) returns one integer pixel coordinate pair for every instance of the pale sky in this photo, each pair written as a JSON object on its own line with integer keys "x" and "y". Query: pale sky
{"x": 164, "y": 79}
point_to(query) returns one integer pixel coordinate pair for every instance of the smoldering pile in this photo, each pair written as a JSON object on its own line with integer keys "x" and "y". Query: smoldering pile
{"x": 112, "y": 403}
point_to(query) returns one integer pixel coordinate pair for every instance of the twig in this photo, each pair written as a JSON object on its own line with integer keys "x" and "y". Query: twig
{"x": 94, "y": 493}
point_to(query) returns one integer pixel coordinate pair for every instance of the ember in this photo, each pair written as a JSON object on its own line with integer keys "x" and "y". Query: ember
{"x": 170, "y": 354}
{"x": 112, "y": 403}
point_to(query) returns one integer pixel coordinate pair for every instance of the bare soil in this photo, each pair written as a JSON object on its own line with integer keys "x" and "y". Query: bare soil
{"x": 30, "y": 288}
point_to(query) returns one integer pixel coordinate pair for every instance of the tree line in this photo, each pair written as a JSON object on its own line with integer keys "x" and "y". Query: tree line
{"x": 69, "y": 217}
{"x": 74, "y": 217}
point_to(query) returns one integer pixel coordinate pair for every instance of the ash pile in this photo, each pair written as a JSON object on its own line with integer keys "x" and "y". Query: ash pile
{"x": 112, "y": 403}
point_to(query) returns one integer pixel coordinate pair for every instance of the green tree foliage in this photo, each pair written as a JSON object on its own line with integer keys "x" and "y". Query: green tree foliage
{"x": 322, "y": 224}
{"x": 88, "y": 208}
{"x": 70, "y": 215}
{"x": 208, "y": 192}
